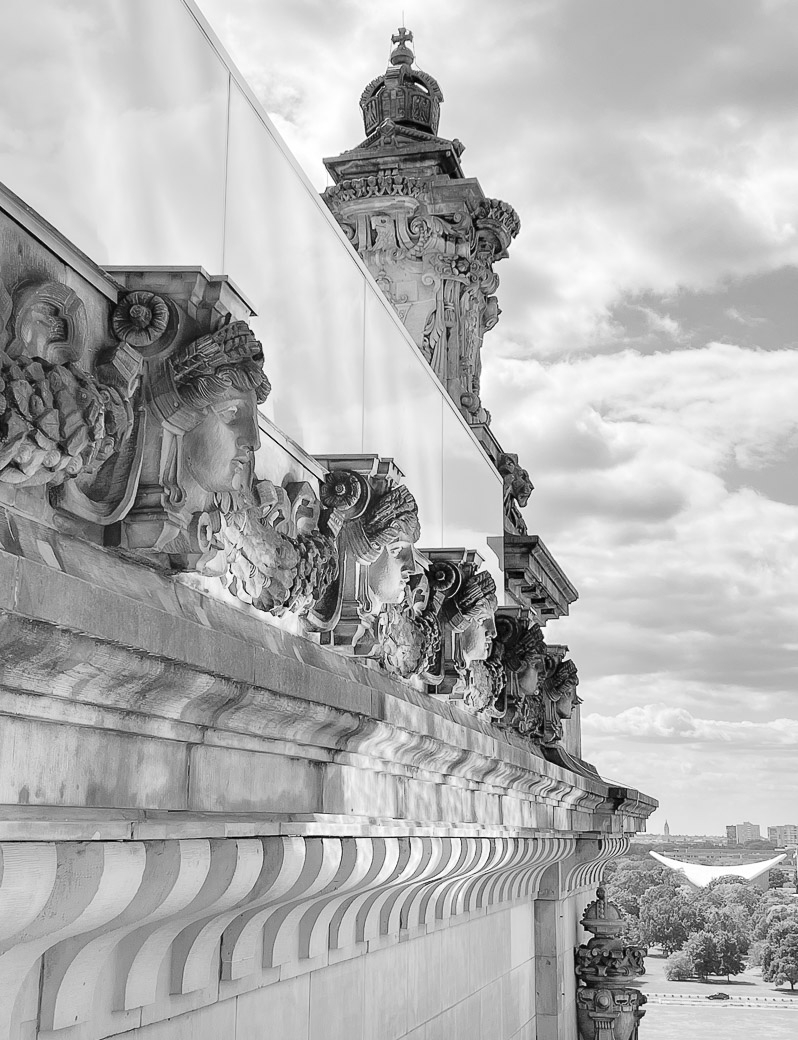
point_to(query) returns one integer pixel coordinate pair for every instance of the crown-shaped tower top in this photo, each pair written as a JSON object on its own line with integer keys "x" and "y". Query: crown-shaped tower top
{"x": 403, "y": 95}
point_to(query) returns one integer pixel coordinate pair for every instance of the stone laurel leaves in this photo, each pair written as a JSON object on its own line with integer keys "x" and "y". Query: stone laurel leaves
{"x": 56, "y": 421}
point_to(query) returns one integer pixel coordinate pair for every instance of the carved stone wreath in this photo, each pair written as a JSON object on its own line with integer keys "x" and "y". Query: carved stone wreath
{"x": 140, "y": 318}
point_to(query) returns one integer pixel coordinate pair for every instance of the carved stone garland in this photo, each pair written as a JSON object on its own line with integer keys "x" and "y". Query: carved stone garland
{"x": 57, "y": 420}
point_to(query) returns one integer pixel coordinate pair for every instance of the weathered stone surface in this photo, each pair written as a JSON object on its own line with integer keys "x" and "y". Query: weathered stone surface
{"x": 606, "y": 1002}
{"x": 181, "y": 673}
{"x": 226, "y": 785}
{"x": 431, "y": 238}
{"x": 267, "y": 902}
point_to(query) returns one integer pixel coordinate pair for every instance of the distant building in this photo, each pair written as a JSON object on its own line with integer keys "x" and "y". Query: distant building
{"x": 666, "y": 830}
{"x": 786, "y": 834}
{"x": 740, "y": 833}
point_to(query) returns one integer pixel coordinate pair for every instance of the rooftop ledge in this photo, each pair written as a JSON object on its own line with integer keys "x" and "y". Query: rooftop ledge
{"x": 132, "y": 700}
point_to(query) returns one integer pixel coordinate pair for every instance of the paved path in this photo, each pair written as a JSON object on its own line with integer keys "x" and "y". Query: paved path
{"x": 689, "y": 998}
{"x": 717, "y": 1020}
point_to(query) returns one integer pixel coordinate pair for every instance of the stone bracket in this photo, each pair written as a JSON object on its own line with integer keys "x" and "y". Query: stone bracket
{"x": 589, "y": 861}
{"x": 258, "y": 906}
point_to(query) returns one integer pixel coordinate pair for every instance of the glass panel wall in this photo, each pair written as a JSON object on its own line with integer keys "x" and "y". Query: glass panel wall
{"x": 113, "y": 127}
{"x": 127, "y": 128}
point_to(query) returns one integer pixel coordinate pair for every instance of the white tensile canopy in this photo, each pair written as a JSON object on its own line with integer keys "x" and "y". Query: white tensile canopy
{"x": 700, "y": 875}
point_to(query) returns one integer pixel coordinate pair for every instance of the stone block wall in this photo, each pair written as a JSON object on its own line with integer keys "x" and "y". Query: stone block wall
{"x": 474, "y": 980}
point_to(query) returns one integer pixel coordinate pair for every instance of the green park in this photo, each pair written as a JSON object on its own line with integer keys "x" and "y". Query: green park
{"x": 722, "y": 960}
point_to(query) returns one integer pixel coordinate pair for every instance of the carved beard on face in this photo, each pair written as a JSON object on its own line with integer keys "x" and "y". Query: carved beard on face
{"x": 258, "y": 565}
{"x": 481, "y": 685}
{"x": 407, "y": 644}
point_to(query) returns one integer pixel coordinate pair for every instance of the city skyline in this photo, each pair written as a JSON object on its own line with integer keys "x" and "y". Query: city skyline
{"x": 676, "y": 833}
{"x": 644, "y": 362}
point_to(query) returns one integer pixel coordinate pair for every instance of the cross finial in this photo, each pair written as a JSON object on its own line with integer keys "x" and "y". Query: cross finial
{"x": 402, "y": 36}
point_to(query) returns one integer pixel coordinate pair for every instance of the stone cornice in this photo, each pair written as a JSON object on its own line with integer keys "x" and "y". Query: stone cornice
{"x": 588, "y": 864}
{"x": 267, "y": 906}
{"x": 188, "y": 667}
{"x": 534, "y": 576}
{"x": 57, "y": 243}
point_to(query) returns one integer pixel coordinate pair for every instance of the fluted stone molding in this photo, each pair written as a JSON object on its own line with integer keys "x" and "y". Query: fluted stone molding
{"x": 251, "y": 904}
{"x": 590, "y": 860}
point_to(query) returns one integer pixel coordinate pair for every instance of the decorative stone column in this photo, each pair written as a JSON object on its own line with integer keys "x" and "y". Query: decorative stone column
{"x": 608, "y": 1004}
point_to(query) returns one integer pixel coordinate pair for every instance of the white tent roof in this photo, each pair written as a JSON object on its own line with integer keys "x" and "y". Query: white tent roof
{"x": 700, "y": 875}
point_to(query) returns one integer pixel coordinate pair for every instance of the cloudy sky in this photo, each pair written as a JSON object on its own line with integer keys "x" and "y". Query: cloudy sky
{"x": 645, "y": 367}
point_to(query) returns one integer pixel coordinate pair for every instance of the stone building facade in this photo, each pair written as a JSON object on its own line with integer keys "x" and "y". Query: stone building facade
{"x": 276, "y": 746}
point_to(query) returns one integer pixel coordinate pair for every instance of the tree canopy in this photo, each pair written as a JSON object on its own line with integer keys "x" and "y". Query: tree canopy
{"x": 711, "y": 931}
{"x": 780, "y": 954}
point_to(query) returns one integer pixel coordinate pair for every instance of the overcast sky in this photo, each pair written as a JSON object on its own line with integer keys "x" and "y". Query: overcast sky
{"x": 645, "y": 367}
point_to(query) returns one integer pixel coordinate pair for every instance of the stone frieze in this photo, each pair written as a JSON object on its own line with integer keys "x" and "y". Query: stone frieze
{"x": 133, "y": 417}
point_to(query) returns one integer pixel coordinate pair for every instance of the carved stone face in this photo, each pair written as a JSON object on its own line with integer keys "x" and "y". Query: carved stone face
{"x": 391, "y": 571}
{"x": 530, "y": 675}
{"x": 477, "y": 639}
{"x": 217, "y": 452}
{"x": 305, "y": 509}
{"x": 565, "y": 703}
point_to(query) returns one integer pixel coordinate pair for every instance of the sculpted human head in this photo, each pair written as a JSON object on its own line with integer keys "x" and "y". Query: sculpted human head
{"x": 389, "y": 575}
{"x": 218, "y": 451}
{"x": 560, "y": 689}
{"x": 209, "y": 391}
{"x": 474, "y": 617}
{"x": 526, "y": 657}
{"x": 382, "y": 540}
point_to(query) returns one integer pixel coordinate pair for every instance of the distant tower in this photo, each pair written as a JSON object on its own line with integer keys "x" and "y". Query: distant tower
{"x": 427, "y": 233}
{"x": 431, "y": 239}
{"x": 666, "y": 830}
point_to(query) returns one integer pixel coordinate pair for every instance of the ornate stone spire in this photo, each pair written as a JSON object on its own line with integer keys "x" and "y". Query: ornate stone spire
{"x": 608, "y": 1005}
{"x": 431, "y": 238}
{"x": 403, "y": 95}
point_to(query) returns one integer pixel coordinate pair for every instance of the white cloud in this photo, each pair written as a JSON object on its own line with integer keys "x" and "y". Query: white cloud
{"x": 642, "y": 147}
{"x": 663, "y": 723}
{"x": 650, "y": 151}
